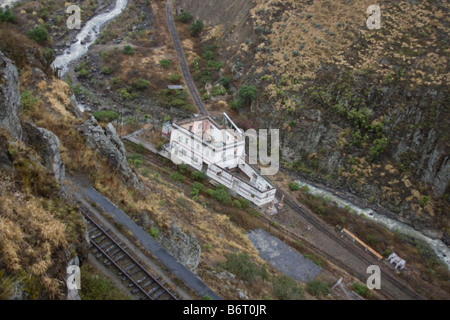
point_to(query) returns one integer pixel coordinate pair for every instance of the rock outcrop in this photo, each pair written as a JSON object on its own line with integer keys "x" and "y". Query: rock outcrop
{"x": 183, "y": 247}
{"x": 108, "y": 144}
{"x": 9, "y": 97}
{"x": 47, "y": 144}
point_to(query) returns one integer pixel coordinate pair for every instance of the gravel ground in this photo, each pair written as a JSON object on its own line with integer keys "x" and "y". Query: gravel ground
{"x": 283, "y": 257}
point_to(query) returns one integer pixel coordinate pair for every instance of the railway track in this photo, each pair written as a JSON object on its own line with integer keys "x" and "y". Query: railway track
{"x": 183, "y": 64}
{"x": 356, "y": 251}
{"x": 140, "y": 282}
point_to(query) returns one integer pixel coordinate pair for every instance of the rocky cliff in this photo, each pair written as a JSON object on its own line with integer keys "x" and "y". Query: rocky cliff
{"x": 9, "y": 97}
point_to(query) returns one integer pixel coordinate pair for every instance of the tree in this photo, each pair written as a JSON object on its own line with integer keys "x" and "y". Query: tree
{"x": 185, "y": 17}
{"x": 38, "y": 34}
{"x": 128, "y": 50}
{"x": 196, "y": 27}
{"x": 247, "y": 94}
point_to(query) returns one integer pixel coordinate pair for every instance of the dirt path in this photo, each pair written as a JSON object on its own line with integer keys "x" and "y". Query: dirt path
{"x": 183, "y": 64}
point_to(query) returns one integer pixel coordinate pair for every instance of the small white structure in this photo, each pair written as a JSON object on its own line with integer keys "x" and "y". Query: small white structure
{"x": 219, "y": 151}
{"x": 396, "y": 261}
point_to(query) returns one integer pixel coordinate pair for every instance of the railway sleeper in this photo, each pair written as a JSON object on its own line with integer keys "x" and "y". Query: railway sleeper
{"x": 147, "y": 283}
{"x": 92, "y": 230}
{"x": 113, "y": 253}
{"x": 110, "y": 248}
{"x": 119, "y": 258}
{"x": 153, "y": 290}
{"x": 105, "y": 245}
{"x": 135, "y": 272}
{"x": 159, "y": 293}
{"x": 96, "y": 235}
{"x": 142, "y": 279}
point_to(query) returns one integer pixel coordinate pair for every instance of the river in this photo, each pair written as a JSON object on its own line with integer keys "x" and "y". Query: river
{"x": 86, "y": 37}
{"x": 438, "y": 246}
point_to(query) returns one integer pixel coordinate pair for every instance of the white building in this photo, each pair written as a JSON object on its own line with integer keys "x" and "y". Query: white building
{"x": 219, "y": 151}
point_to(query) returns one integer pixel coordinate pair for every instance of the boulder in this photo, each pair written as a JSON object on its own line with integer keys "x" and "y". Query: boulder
{"x": 9, "y": 97}
{"x": 47, "y": 144}
{"x": 182, "y": 247}
{"x": 109, "y": 145}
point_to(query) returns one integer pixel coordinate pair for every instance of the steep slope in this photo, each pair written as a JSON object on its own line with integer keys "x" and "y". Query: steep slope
{"x": 360, "y": 109}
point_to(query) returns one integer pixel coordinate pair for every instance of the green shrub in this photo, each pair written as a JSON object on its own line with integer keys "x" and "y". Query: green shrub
{"x": 198, "y": 186}
{"x": 28, "y": 101}
{"x": 222, "y": 196}
{"x": 247, "y": 94}
{"x": 294, "y": 186}
{"x": 38, "y": 34}
{"x": 361, "y": 289}
{"x": 196, "y": 27}
{"x": 237, "y": 204}
{"x": 317, "y": 288}
{"x": 286, "y": 288}
{"x": 165, "y": 63}
{"x": 7, "y": 16}
{"x": 243, "y": 267}
{"x": 175, "y": 78}
{"x": 105, "y": 115}
{"x": 107, "y": 70}
{"x": 185, "y": 17}
{"x": 154, "y": 232}
{"x": 140, "y": 84}
{"x": 160, "y": 145}
{"x": 96, "y": 287}
{"x": 182, "y": 168}
{"x": 225, "y": 82}
{"x": 244, "y": 203}
{"x": 127, "y": 50}
{"x": 206, "y": 97}
{"x": 218, "y": 91}
{"x": 177, "y": 177}
{"x": 198, "y": 175}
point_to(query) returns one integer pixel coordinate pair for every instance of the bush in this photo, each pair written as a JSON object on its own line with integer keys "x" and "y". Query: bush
{"x": 107, "y": 70}
{"x": 222, "y": 196}
{"x": 294, "y": 186}
{"x": 154, "y": 233}
{"x": 105, "y": 115}
{"x": 247, "y": 94}
{"x": 140, "y": 84}
{"x": 28, "y": 101}
{"x": 286, "y": 288}
{"x": 236, "y": 104}
{"x": 185, "y": 17}
{"x": 160, "y": 145}
{"x": 225, "y": 82}
{"x": 38, "y": 34}
{"x": 165, "y": 63}
{"x": 7, "y": 16}
{"x": 244, "y": 203}
{"x": 198, "y": 175}
{"x": 175, "y": 78}
{"x": 198, "y": 186}
{"x": 361, "y": 289}
{"x": 177, "y": 177}
{"x": 182, "y": 168}
{"x": 128, "y": 50}
{"x": 196, "y": 27}
{"x": 317, "y": 288}
{"x": 242, "y": 266}
{"x": 237, "y": 204}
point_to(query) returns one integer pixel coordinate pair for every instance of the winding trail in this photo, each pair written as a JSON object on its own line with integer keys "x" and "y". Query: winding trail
{"x": 183, "y": 64}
